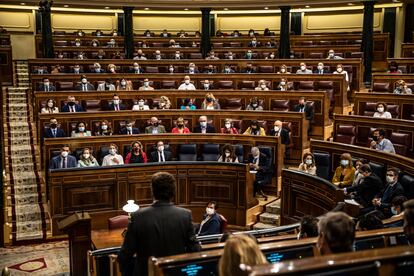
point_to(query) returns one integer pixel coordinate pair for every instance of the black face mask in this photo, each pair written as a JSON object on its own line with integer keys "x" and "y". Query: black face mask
{"x": 155, "y": 124}
{"x": 71, "y": 103}
{"x": 209, "y": 100}
{"x": 375, "y": 138}
{"x": 53, "y": 125}
{"x": 180, "y": 125}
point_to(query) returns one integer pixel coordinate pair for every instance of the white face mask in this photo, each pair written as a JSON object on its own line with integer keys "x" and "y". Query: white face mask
{"x": 112, "y": 151}
{"x": 308, "y": 162}
{"x": 129, "y": 128}
{"x": 136, "y": 68}
{"x": 64, "y": 154}
{"x": 84, "y": 81}
{"x": 320, "y": 67}
{"x": 60, "y": 56}
{"x": 393, "y": 211}
{"x": 272, "y": 56}
{"x": 80, "y": 56}
{"x": 46, "y": 83}
{"x": 76, "y": 70}
{"x": 283, "y": 70}
{"x": 303, "y": 68}
{"x": 77, "y": 44}
{"x": 146, "y": 83}
{"x": 263, "y": 86}
{"x": 227, "y": 125}
{"x": 380, "y": 109}
{"x": 282, "y": 83}
{"x": 123, "y": 83}
{"x": 177, "y": 56}
{"x": 104, "y": 127}
{"x": 209, "y": 211}
{"x": 94, "y": 44}
{"x": 112, "y": 70}
{"x": 161, "y": 148}
{"x": 227, "y": 154}
{"x": 203, "y": 124}
{"x": 390, "y": 179}
{"x": 339, "y": 70}
{"x": 276, "y": 128}
{"x": 171, "y": 69}
{"x": 344, "y": 163}
{"x": 50, "y": 104}
{"x": 254, "y": 104}
{"x": 86, "y": 155}
{"x": 206, "y": 86}
{"x": 116, "y": 102}
{"x": 81, "y": 129}
{"x": 140, "y": 103}
{"x": 230, "y": 56}
{"x": 331, "y": 54}
{"x": 187, "y": 81}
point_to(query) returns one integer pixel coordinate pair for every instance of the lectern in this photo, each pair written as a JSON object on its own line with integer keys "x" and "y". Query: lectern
{"x": 78, "y": 227}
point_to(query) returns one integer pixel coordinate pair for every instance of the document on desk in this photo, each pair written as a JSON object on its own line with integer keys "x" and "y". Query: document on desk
{"x": 351, "y": 201}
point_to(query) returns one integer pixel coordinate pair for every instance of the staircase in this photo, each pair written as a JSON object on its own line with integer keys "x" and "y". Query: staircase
{"x": 21, "y": 73}
{"x": 270, "y": 218}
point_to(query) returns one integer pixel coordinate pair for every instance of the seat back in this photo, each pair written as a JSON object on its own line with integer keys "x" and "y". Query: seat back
{"x": 223, "y": 223}
{"x": 247, "y": 85}
{"x": 323, "y": 165}
{"x": 345, "y": 134}
{"x": 316, "y": 55}
{"x": 118, "y": 222}
{"x": 211, "y": 152}
{"x": 381, "y": 87}
{"x": 306, "y": 85}
{"x": 232, "y": 104}
{"x": 238, "y": 150}
{"x": 280, "y": 105}
{"x": 370, "y": 109}
{"x": 265, "y": 69}
{"x": 195, "y": 56}
{"x": 151, "y": 69}
{"x": 168, "y": 84}
{"x": 225, "y": 84}
{"x": 401, "y": 142}
{"x": 64, "y": 85}
{"x": 91, "y": 105}
{"x": 378, "y": 169}
{"x": 187, "y": 152}
{"x": 407, "y": 181}
{"x": 394, "y": 109}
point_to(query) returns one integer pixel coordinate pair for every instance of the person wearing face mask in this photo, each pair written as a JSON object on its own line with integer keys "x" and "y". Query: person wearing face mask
{"x": 211, "y": 223}
{"x": 283, "y": 85}
{"x": 235, "y": 33}
{"x": 112, "y": 158}
{"x": 393, "y": 68}
{"x": 129, "y": 129}
{"x": 331, "y": 55}
{"x": 259, "y": 163}
{"x": 146, "y": 85}
{"x": 340, "y": 70}
{"x": 80, "y": 55}
{"x": 77, "y": 42}
{"x": 303, "y": 107}
{"x": 136, "y": 155}
{"x": 135, "y": 69}
{"x": 262, "y": 86}
{"x": 358, "y": 177}
{"x": 123, "y": 85}
{"x": 381, "y": 143}
{"x": 381, "y": 111}
{"x": 59, "y": 55}
{"x": 177, "y": 55}
{"x": 254, "y": 104}
{"x": 230, "y": 55}
{"x": 228, "y": 127}
{"x": 64, "y": 160}
{"x": 345, "y": 172}
{"x": 46, "y": 86}
{"x": 165, "y": 33}
{"x": 41, "y": 70}
{"x": 382, "y": 201}
{"x": 308, "y": 164}
{"x": 228, "y": 154}
{"x": 116, "y": 104}
{"x": 228, "y": 70}
{"x": 192, "y": 69}
{"x": 303, "y": 69}
{"x": 53, "y": 131}
{"x": 207, "y": 85}
{"x": 104, "y": 129}
{"x": 164, "y": 103}
{"x": 210, "y": 102}
{"x": 397, "y": 209}
{"x": 402, "y": 88}
{"x": 188, "y": 104}
{"x": 210, "y": 69}
{"x": 99, "y": 55}
{"x": 139, "y": 55}
{"x": 111, "y": 43}
{"x": 50, "y": 107}
{"x": 76, "y": 69}
{"x": 112, "y": 68}
{"x": 254, "y": 43}
{"x": 106, "y": 86}
{"x": 249, "y": 54}
{"x": 160, "y": 155}
{"x": 255, "y": 129}
{"x": 171, "y": 69}
{"x": 283, "y": 70}
{"x": 80, "y": 130}
{"x": 94, "y": 43}
{"x": 148, "y": 33}
{"x": 320, "y": 69}
{"x": 87, "y": 160}
{"x": 249, "y": 69}
{"x": 271, "y": 56}
{"x": 180, "y": 127}
{"x": 140, "y": 105}
{"x": 279, "y": 131}
{"x": 252, "y": 33}
{"x": 203, "y": 126}
{"x": 187, "y": 85}
{"x": 155, "y": 127}
{"x": 157, "y": 55}
{"x": 97, "y": 68}
{"x": 80, "y": 33}
{"x": 72, "y": 106}
{"x": 212, "y": 56}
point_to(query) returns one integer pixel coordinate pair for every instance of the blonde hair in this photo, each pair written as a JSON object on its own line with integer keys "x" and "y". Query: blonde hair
{"x": 239, "y": 249}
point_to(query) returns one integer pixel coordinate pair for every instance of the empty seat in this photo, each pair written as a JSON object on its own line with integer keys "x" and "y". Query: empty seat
{"x": 225, "y": 84}
{"x": 265, "y": 69}
{"x": 356, "y": 55}
{"x": 103, "y": 151}
{"x": 345, "y": 134}
{"x": 280, "y": 105}
{"x": 247, "y": 85}
{"x": 323, "y": 165}
{"x": 168, "y": 84}
{"x": 407, "y": 181}
{"x": 238, "y": 150}
{"x": 370, "y": 109}
{"x": 381, "y": 87}
{"x": 195, "y": 56}
{"x": 64, "y": 85}
{"x": 118, "y": 222}
{"x": 91, "y": 105}
{"x": 307, "y": 43}
{"x": 158, "y": 44}
{"x": 187, "y": 152}
{"x": 61, "y": 43}
{"x": 394, "y": 109}
{"x": 306, "y": 85}
{"x": 378, "y": 169}
{"x": 235, "y": 44}
{"x": 211, "y": 152}
{"x": 218, "y": 45}
{"x": 401, "y": 142}
{"x": 316, "y": 55}
{"x": 151, "y": 69}
{"x": 232, "y": 104}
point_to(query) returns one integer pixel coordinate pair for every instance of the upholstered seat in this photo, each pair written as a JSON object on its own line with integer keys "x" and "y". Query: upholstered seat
{"x": 323, "y": 165}
{"x": 345, "y": 134}
{"x": 383, "y": 87}
{"x": 64, "y": 85}
{"x": 225, "y": 84}
{"x": 306, "y": 85}
{"x": 401, "y": 142}
{"x": 211, "y": 152}
{"x": 394, "y": 109}
{"x": 232, "y": 103}
{"x": 265, "y": 69}
{"x": 247, "y": 85}
{"x": 118, "y": 222}
{"x": 280, "y": 105}
{"x": 370, "y": 109}
{"x": 187, "y": 152}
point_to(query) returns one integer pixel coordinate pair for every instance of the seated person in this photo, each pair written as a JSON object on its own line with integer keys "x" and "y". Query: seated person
{"x": 228, "y": 70}
{"x": 210, "y": 69}
{"x": 112, "y": 158}
{"x": 165, "y": 33}
{"x": 211, "y": 223}
{"x": 262, "y": 86}
{"x": 136, "y": 69}
{"x": 63, "y": 160}
{"x": 397, "y": 207}
{"x": 228, "y": 127}
{"x": 207, "y": 85}
{"x": 249, "y": 54}
{"x": 370, "y": 221}
{"x": 57, "y": 69}
{"x": 140, "y": 105}
{"x": 283, "y": 70}
{"x": 188, "y": 104}
{"x": 358, "y": 177}
{"x": 78, "y": 42}
{"x": 254, "y": 104}
{"x": 267, "y": 32}
{"x": 157, "y": 55}
{"x": 128, "y": 129}
{"x": 87, "y": 160}
{"x": 258, "y": 162}
{"x": 255, "y": 129}
{"x": 60, "y": 55}
{"x": 160, "y": 155}
{"x": 381, "y": 143}
{"x": 235, "y": 33}
{"x": 182, "y": 34}
{"x": 124, "y": 85}
{"x": 112, "y": 43}
{"x": 41, "y": 70}
{"x": 210, "y": 102}
{"x": 164, "y": 103}
{"x": 212, "y": 56}
{"x": 84, "y": 85}
{"x": 111, "y": 68}
{"x": 381, "y": 111}
{"x": 271, "y": 56}
{"x": 249, "y": 69}
{"x": 147, "y": 33}
{"x": 80, "y": 33}
{"x": 251, "y": 33}
{"x": 72, "y": 106}
{"x": 136, "y": 155}
{"x": 171, "y": 43}
{"x": 402, "y": 88}
{"x": 100, "y": 55}
{"x": 139, "y": 55}
{"x": 331, "y": 55}
{"x": 192, "y": 69}
{"x": 279, "y": 131}
{"x": 155, "y": 127}
{"x": 283, "y": 85}
{"x": 393, "y": 188}
{"x": 77, "y": 69}
{"x": 94, "y": 43}
{"x": 340, "y": 70}
{"x": 308, "y": 164}
{"x": 81, "y": 55}
{"x": 46, "y": 86}
{"x": 99, "y": 33}
{"x": 187, "y": 85}
{"x": 106, "y": 86}
{"x": 180, "y": 128}
{"x": 80, "y": 130}
{"x": 50, "y": 107}
{"x": 171, "y": 69}
{"x": 345, "y": 173}
{"x": 203, "y": 126}
{"x": 230, "y": 55}
{"x": 97, "y": 68}
{"x": 393, "y": 68}
{"x": 114, "y": 33}
{"x": 177, "y": 55}
{"x": 369, "y": 187}
{"x": 146, "y": 85}
{"x": 194, "y": 44}
{"x": 303, "y": 69}
{"x": 320, "y": 69}
{"x": 228, "y": 154}
{"x": 308, "y": 227}
{"x": 254, "y": 43}
{"x": 303, "y": 107}
{"x": 53, "y": 131}
{"x": 116, "y": 104}
{"x": 104, "y": 129}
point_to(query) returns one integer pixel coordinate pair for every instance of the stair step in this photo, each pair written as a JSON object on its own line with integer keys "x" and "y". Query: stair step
{"x": 273, "y": 208}
{"x": 269, "y": 218}
{"x": 261, "y": 225}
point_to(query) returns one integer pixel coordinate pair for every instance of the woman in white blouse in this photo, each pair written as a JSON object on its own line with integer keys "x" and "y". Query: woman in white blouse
{"x": 340, "y": 70}
{"x": 50, "y": 107}
{"x": 140, "y": 105}
{"x": 381, "y": 111}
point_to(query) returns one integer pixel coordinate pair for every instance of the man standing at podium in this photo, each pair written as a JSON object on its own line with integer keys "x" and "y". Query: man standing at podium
{"x": 161, "y": 229}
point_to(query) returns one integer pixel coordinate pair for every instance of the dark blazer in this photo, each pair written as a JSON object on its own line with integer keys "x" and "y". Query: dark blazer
{"x": 284, "y": 134}
{"x": 78, "y": 108}
{"x": 366, "y": 190}
{"x": 112, "y": 106}
{"x": 309, "y": 114}
{"x": 187, "y": 71}
{"x": 210, "y": 129}
{"x": 42, "y": 87}
{"x": 158, "y": 230}
{"x": 55, "y": 162}
{"x": 48, "y": 133}
{"x": 388, "y": 193}
{"x": 246, "y": 71}
{"x": 212, "y": 226}
{"x": 263, "y": 173}
{"x": 124, "y": 131}
{"x": 132, "y": 70}
{"x": 100, "y": 70}
{"x": 324, "y": 71}
{"x": 154, "y": 156}
{"x": 88, "y": 85}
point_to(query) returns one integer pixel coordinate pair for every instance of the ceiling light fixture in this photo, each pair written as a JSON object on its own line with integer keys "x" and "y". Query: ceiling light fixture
{"x": 146, "y": 9}
{"x": 307, "y": 6}
{"x": 186, "y": 9}
{"x": 266, "y": 8}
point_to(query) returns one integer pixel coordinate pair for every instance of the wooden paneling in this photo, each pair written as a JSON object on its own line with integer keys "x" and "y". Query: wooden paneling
{"x": 391, "y": 79}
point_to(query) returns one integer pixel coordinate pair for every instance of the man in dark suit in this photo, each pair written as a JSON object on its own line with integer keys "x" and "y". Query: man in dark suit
{"x": 84, "y": 85}
{"x": 258, "y": 162}
{"x": 370, "y": 186}
{"x": 192, "y": 69}
{"x": 41, "y": 70}
{"x": 320, "y": 69}
{"x": 308, "y": 110}
{"x": 116, "y": 104}
{"x": 279, "y": 131}
{"x": 53, "y": 131}
{"x": 383, "y": 200}
{"x": 160, "y": 155}
{"x": 161, "y": 229}
{"x": 136, "y": 69}
{"x": 77, "y": 69}
{"x": 63, "y": 160}
{"x": 249, "y": 69}
{"x": 203, "y": 127}
{"x": 211, "y": 223}
{"x": 128, "y": 129}
{"x": 46, "y": 86}
{"x": 71, "y": 105}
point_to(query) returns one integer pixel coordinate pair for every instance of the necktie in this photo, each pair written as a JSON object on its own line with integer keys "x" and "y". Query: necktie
{"x": 54, "y": 132}
{"x": 46, "y": 87}
{"x": 84, "y": 88}
{"x": 117, "y": 107}
{"x": 64, "y": 163}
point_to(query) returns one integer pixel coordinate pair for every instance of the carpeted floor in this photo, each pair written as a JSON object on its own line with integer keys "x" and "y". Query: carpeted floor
{"x": 40, "y": 259}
